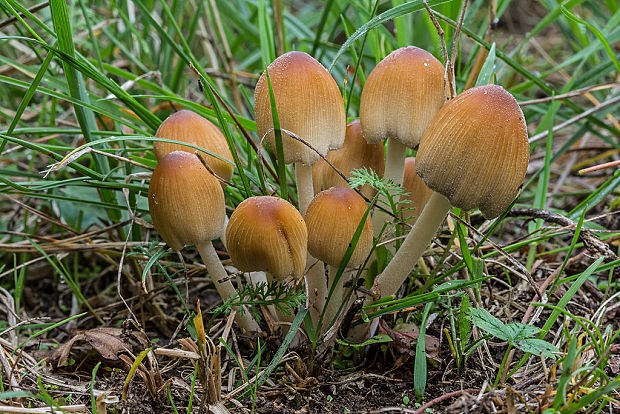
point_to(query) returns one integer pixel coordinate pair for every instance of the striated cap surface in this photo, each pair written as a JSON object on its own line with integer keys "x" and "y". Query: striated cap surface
{"x": 332, "y": 218}
{"x": 186, "y": 201}
{"x": 268, "y": 233}
{"x": 401, "y": 96}
{"x": 475, "y": 151}
{"x": 188, "y": 126}
{"x": 355, "y": 153}
{"x": 309, "y": 104}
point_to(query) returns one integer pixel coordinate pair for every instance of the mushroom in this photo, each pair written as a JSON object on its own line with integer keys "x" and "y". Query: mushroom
{"x": 474, "y": 154}
{"x": 355, "y": 153}
{"x": 188, "y": 126}
{"x": 268, "y": 234}
{"x": 309, "y": 105}
{"x": 417, "y": 193}
{"x": 332, "y": 219}
{"x": 187, "y": 206}
{"x": 400, "y": 97}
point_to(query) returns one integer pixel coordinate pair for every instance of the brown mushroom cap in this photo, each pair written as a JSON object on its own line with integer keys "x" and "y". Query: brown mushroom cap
{"x": 188, "y": 126}
{"x": 186, "y": 201}
{"x": 332, "y": 218}
{"x": 268, "y": 233}
{"x": 418, "y": 192}
{"x": 309, "y": 104}
{"x": 401, "y": 96}
{"x": 355, "y": 153}
{"x": 475, "y": 151}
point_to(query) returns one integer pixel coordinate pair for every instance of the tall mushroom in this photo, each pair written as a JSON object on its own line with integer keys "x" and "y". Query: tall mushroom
{"x": 474, "y": 154}
{"x": 332, "y": 219}
{"x": 309, "y": 104}
{"x": 400, "y": 97}
{"x": 355, "y": 153}
{"x": 187, "y": 206}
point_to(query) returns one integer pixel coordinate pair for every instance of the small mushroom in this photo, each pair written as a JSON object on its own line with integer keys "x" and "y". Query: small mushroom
{"x": 187, "y": 206}
{"x": 268, "y": 234}
{"x": 188, "y": 126}
{"x": 474, "y": 154}
{"x": 332, "y": 219}
{"x": 355, "y": 153}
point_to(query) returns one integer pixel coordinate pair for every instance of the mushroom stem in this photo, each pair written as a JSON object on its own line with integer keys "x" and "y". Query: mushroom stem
{"x": 425, "y": 227}
{"x": 316, "y": 288}
{"x": 395, "y": 171}
{"x": 336, "y": 299}
{"x": 305, "y": 187}
{"x": 224, "y": 286}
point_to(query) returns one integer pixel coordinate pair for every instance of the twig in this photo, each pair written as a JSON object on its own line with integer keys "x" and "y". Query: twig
{"x": 599, "y": 167}
{"x": 577, "y": 92}
{"x": 33, "y": 9}
{"x": 439, "y": 399}
{"x": 576, "y": 118}
{"x": 592, "y": 243}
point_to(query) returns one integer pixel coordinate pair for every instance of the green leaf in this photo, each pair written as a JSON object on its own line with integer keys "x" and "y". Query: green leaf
{"x": 464, "y": 325}
{"x": 537, "y": 346}
{"x": 487, "y": 71}
{"x": 377, "y": 339}
{"x": 489, "y": 323}
{"x": 519, "y": 331}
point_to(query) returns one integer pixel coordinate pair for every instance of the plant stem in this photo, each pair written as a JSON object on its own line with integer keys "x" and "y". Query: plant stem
{"x": 305, "y": 188}
{"x": 335, "y": 300}
{"x": 224, "y": 286}
{"x": 425, "y": 227}
{"x": 394, "y": 171}
{"x": 316, "y": 288}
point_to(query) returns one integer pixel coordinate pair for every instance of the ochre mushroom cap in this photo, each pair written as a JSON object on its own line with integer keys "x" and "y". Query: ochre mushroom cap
{"x": 188, "y": 126}
{"x": 269, "y": 234}
{"x": 309, "y": 104}
{"x": 355, "y": 153}
{"x": 475, "y": 151}
{"x": 401, "y": 96}
{"x": 418, "y": 192}
{"x": 332, "y": 218}
{"x": 186, "y": 201}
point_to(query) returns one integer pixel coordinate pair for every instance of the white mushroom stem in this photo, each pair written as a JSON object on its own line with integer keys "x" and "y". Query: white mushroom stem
{"x": 224, "y": 286}
{"x": 336, "y": 299}
{"x": 305, "y": 187}
{"x": 316, "y": 288}
{"x": 425, "y": 227}
{"x": 395, "y": 171}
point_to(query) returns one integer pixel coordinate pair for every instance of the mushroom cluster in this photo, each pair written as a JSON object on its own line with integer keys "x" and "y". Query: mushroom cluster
{"x": 472, "y": 152}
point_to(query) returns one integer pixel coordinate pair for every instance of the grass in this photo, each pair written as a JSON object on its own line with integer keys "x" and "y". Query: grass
{"x": 83, "y": 88}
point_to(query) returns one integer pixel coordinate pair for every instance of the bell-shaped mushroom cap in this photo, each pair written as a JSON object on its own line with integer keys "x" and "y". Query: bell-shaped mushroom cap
{"x": 332, "y": 218}
{"x": 186, "y": 201}
{"x": 269, "y": 234}
{"x": 401, "y": 96}
{"x": 475, "y": 151}
{"x": 355, "y": 153}
{"x": 188, "y": 126}
{"x": 309, "y": 105}
{"x": 418, "y": 192}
